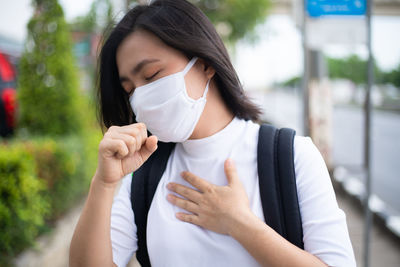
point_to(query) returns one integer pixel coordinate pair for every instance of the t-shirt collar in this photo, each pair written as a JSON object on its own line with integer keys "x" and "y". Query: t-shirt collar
{"x": 224, "y": 139}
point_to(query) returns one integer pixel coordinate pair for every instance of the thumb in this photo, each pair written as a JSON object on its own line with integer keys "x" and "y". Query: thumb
{"x": 230, "y": 172}
{"x": 149, "y": 147}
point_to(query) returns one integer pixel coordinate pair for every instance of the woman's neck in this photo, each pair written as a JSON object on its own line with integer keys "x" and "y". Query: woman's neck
{"x": 215, "y": 116}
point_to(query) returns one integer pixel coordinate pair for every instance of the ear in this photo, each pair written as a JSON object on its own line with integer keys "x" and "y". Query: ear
{"x": 208, "y": 70}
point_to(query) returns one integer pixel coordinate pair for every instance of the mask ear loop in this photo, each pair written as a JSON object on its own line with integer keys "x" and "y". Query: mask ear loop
{"x": 206, "y": 90}
{"x": 189, "y": 65}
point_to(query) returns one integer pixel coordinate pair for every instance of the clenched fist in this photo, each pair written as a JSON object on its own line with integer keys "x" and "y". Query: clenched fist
{"x": 123, "y": 150}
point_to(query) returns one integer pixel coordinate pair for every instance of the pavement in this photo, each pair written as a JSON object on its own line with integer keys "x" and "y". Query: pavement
{"x": 384, "y": 246}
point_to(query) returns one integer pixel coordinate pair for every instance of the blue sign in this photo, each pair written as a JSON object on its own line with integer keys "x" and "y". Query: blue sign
{"x": 317, "y": 8}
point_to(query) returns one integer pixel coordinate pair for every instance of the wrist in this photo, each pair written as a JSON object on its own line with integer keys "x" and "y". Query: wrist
{"x": 98, "y": 182}
{"x": 241, "y": 223}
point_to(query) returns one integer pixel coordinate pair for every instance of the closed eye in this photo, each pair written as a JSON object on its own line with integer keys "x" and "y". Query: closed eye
{"x": 151, "y": 77}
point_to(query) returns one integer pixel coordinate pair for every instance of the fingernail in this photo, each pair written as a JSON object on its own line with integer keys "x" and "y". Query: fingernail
{"x": 229, "y": 162}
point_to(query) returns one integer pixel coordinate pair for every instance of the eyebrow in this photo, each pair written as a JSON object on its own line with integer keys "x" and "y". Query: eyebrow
{"x": 139, "y": 67}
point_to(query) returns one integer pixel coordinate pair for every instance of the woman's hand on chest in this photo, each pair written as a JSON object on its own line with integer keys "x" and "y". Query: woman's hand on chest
{"x": 216, "y": 208}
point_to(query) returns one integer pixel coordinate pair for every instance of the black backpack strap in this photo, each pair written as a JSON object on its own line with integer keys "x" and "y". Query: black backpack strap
{"x": 277, "y": 182}
{"x": 287, "y": 179}
{"x": 269, "y": 187}
{"x": 144, "y": 184}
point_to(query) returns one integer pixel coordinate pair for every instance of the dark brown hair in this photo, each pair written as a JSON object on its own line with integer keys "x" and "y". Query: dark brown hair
{"x": 183, "y": 26}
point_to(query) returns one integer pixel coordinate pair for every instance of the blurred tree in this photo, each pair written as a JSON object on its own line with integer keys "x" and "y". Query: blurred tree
{"x": 48, "y": 85}
{"x": 99, "y": 16}
{"x": 392, "y": 77}
{"x": 292, "y": 82}
{"x": 233, "y": 19}
{"x": 354, "y": 69}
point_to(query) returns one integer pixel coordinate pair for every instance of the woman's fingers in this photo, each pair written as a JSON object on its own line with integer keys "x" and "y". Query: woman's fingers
{"x": 149, "y": 147}
{"x": 114, "y": 147}
{"x": 190, "y": 218}
{"x": 136, "y": 130}
{"x": 196, "y": 181}
{"x": 185, "y": 191}
{"x": 132, "y": 129}
{"x": 183, "y": 203}
{"x": 131, "y": 142}
{"x": 134, "y": 136}
{"x": 230, "y": 172}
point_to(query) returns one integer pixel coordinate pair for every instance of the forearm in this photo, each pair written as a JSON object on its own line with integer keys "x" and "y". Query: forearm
{"x": 267, "y": 246}
{"x": 91, "y": 242}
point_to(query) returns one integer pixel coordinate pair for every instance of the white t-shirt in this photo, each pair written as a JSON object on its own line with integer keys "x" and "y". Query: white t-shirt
{"x": 171, "y": 242}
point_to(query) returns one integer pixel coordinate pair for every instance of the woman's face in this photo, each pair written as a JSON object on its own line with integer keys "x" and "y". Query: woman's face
{"x": 143, "y": 58}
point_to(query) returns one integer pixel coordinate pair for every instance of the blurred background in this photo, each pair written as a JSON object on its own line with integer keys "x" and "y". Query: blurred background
{"x": 330, "y": 69}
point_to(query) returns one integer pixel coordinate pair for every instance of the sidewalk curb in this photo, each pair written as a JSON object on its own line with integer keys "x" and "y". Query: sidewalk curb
{"x": 353, "y": 187}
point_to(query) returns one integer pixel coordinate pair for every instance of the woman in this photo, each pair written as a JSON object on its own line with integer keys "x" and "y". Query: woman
{"x": 164, "y": 69}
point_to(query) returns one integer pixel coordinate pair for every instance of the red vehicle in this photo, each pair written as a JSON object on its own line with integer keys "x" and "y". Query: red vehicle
{"x": 7, "y": 96}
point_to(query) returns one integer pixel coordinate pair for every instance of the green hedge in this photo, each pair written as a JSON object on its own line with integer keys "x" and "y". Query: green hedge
{"x": 23, "y": 206}
{"x": 40, "y": 179}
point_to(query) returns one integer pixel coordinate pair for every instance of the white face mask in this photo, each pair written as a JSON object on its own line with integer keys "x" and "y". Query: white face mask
{"x": 165, "y": 107}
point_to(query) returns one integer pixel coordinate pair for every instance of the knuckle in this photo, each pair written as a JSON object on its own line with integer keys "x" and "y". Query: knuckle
{"x": 107, "y": 134}
{"x": 102, "y": 144}
{"x": 188, "y": 177}
{"x": 185, "y": 191}
{"x": 120, "y": 144}
{"x": 209, "y": 189}
{"x": 140, "y": 125}
{"x": 143, "y": 129}
{"x": 131, "y": 141}
{"x": 185, "y": 217}
{"x": 136, "y": 132}
{"x": 113, "y": 128}
{"x": 171, "y": 186}
{"x": 191, "y": 218}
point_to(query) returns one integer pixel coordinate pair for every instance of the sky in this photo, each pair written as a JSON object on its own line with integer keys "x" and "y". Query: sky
{"x": 276, "y": 56}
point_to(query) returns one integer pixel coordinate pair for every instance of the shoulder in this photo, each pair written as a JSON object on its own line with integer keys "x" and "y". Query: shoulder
{"x": 310, "y": 167}
{"x": 251, "y": 130}
{"x": 306, "y": 154}
{"x": 312, "y": 175}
